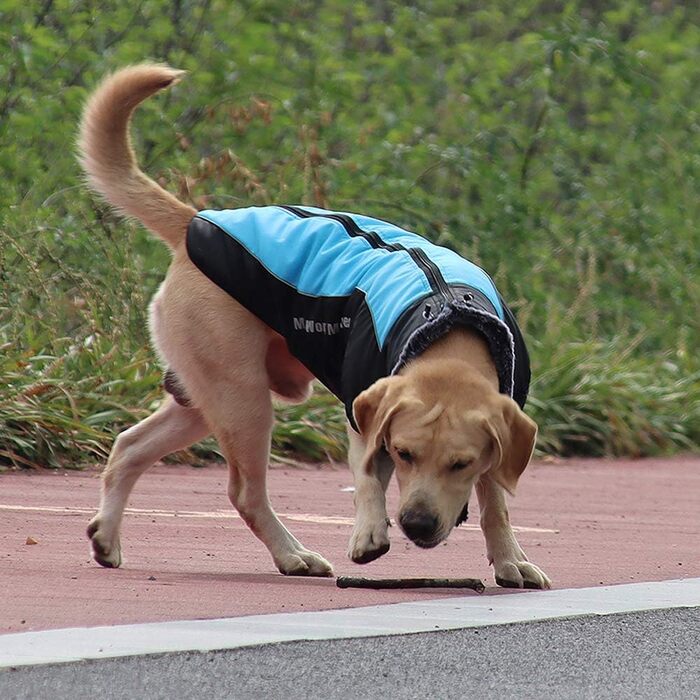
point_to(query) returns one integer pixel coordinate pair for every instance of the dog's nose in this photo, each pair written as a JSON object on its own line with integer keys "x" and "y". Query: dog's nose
{"x": 419, "y": 525}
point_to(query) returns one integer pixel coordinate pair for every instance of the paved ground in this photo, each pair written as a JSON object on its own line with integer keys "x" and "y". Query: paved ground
{"x": 653, "y": 655}
{"x": 587, "y": 523}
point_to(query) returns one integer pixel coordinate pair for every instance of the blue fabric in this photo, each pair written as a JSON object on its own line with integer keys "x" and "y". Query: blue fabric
{"x": 318, "y": 258}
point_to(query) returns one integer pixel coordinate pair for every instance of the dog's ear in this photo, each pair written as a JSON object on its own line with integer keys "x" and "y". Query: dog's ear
{"x": 514, "y": 435}
{"x": 372, "y": 410}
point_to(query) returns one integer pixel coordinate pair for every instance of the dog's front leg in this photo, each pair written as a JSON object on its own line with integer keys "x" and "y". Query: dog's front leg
{"x": 370, "y": 535}
{"x": 511, "y": 567}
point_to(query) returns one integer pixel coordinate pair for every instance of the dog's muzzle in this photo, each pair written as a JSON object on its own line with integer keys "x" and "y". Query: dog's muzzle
{"x": 421, "y": 527}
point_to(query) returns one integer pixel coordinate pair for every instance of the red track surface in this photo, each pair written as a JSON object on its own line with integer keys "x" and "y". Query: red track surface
{"x": 597, "y": 522}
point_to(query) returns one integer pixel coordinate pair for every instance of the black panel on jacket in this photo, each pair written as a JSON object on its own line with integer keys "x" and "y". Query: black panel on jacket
{"x": 230, "y": 266}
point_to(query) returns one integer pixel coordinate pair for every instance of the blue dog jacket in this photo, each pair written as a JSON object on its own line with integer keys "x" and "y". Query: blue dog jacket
{"x": 355, "y": 297}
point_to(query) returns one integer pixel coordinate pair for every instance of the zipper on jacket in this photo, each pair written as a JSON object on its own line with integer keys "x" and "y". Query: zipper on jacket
{"x": 431, "y": 270}
{"x": 347, "y": 222}
{"x": 419, "y": 257}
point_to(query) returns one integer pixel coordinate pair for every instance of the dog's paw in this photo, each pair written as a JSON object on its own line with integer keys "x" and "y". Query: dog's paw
{"x": 521, "y": 574}
{"x": 106, "y": 551}
{"x": 369, "y": 542}
{"x": 302, "y": 562}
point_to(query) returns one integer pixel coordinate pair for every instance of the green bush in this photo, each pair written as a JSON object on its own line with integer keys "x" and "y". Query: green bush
{"x": 554, "y": 143}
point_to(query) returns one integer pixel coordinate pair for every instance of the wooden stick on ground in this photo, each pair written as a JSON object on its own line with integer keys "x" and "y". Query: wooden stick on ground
{"x": 379, "y": 583}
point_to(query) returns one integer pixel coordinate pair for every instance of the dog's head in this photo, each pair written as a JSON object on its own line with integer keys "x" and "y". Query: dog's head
{"x": 442, "y": 430}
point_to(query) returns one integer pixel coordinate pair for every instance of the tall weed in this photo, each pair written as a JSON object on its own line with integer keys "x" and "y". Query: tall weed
{"x": 552, "y": 144}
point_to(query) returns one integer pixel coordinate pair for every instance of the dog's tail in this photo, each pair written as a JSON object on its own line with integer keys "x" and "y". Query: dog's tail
{"x": 108, "y": 159}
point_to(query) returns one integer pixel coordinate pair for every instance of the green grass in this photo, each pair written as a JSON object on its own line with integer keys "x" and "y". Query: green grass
{"x": 597, "y": 399}
{"x": 553, "y": 143}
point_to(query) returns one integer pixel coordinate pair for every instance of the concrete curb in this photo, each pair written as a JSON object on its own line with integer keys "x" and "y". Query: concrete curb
{"x": 75, "y": 644}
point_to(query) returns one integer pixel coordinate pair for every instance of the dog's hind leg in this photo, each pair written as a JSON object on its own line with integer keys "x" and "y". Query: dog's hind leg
{"x": 242, "y": 423}
{"x": 172, "y": 427}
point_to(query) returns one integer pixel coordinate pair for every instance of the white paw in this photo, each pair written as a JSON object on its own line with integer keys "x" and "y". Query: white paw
{"x": 369, "y": 541}
{"x": 302, "y": 562}
{"x": 106, "y": 549}
{"x": 520, "y": 574}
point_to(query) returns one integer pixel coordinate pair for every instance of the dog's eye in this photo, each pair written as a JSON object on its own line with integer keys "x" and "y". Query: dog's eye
{"x": 405, "y": 455}
{"x": 459, "y": 466}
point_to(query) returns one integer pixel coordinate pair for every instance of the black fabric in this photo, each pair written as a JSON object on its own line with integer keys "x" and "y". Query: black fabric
{"x": 522, "y": 373}
{"x": 314, "y": 327}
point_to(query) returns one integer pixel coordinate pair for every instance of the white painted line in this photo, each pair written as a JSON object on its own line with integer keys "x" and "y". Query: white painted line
{"x": 228, "y": 515}
{"x": 65, "y": 645}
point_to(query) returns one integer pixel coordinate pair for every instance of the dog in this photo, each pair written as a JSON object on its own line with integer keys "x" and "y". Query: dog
{"x": 429, "y": 365}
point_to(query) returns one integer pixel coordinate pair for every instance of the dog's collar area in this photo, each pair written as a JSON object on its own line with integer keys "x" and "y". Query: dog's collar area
{"x": 469, "y": 309}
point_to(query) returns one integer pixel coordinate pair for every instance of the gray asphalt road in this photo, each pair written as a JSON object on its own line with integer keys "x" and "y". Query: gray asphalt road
{"x": 639, "y": 655}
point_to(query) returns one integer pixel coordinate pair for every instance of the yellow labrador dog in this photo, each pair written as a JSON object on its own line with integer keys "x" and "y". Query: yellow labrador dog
{"x": 423, "y": 360}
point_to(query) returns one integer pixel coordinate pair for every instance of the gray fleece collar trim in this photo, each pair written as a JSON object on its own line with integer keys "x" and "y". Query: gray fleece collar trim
{"x": 495, "y": 331}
